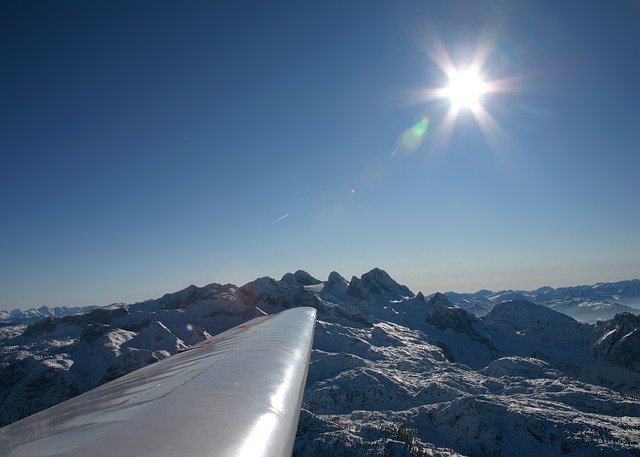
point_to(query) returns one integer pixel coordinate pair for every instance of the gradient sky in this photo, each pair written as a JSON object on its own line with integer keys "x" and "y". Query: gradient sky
{"x": 145, "y": 146}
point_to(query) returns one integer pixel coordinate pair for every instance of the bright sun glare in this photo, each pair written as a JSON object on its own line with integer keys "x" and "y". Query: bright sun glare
{"x": 465, "y": 89}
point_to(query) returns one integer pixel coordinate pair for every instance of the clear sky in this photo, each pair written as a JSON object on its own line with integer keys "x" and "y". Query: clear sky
{"x": 145, "y": 146}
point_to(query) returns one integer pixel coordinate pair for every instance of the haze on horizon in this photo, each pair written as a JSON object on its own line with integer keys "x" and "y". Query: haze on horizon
{"x": 147, "y": 146}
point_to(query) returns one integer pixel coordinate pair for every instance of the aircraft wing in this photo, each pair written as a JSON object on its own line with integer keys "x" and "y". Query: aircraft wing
{"x": 237, "y": 394}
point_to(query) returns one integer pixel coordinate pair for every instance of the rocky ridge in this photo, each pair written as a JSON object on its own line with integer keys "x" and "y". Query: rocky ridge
{"x": 392, "y": 372}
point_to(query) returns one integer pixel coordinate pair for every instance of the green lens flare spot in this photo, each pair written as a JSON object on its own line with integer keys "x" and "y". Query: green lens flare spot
{"x": 411, "y": 139}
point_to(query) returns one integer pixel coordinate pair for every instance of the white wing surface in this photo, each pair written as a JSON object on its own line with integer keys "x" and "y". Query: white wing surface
{"x": 237, "y": 394}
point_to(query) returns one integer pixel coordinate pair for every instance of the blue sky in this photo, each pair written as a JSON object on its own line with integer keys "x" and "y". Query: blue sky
{"x": 145, "y": 146}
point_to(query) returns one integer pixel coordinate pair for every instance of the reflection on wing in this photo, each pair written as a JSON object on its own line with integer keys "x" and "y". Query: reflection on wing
{"x": 237, "y": 394}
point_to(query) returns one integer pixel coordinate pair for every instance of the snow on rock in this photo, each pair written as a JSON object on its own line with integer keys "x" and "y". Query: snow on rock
{"x": 591, "y": 303}
{"x": 382, "y": 336}
{"x": 515, "y": 405}
{"x": 31, "y": 315}
{"x": 106, "y": 343}
{"x": 522, "y": 367}
{"x": 523, "y": 313}
{"x": 156, "y": 337}
{"x": 329, "y": 364}
{"x": 391, "y": 373}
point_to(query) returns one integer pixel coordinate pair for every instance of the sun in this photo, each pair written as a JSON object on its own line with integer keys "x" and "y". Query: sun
{"x": 469, "y": 87}
{"x": 465, "y": 89}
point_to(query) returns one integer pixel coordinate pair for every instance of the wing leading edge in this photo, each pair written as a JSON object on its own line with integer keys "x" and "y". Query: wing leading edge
{"x": 237, "y": 394}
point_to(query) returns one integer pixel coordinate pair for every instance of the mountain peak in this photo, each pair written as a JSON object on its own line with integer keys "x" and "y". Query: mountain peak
{"x": 45, "y": 311}
{"x": 305, "y": 278}
{"x": 289, "y": 277}
{"x": 335, "y": 279}
{"x": 379, "y": 281}
{"x": 620, "y": 341}
{"x": 440, "y": 300}
{"x": 357, "y": 290}
{"x": 627, "y": 320}
{"x": 524, "y": 313}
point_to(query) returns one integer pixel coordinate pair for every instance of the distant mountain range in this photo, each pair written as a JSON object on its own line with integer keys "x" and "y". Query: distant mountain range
{"x": 26, "y": 316}
{"x": 392, "y": 372}
{"x": 591, "y": 303}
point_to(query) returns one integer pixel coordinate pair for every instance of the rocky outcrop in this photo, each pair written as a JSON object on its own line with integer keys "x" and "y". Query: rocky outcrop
{"x": 619, "y": 343}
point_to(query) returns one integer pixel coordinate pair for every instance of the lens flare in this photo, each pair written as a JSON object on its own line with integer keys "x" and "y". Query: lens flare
{"x": 188, "y": 327}
{"x": 411, "y": 139}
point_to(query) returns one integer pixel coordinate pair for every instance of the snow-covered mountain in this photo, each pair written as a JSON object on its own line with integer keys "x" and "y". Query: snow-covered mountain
{"x": 392, "y": 372}
{"x": 26, "y": 316}
{"x": 590, "y": 303}
{"x": 54, "y": 359}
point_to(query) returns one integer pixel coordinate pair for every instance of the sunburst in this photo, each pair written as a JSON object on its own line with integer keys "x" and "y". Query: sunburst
{"x": 468, "y": 88}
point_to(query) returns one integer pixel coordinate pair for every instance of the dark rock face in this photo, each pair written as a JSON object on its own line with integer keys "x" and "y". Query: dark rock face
{"x": 305, "y": 279}
{"x": 442, "y": 314}
{"x": 620, "y": 343}
{"x": 188, "y": 296}
{"x": 379, "y": 282}
{"x": 456, "y": 319}
{"x": 93, "y": 331}
{"x": 440, "y": 300}
{"x": 45, "y": 325}
{"x": 336, "y": 280}
{"x": 523, "y": 313}
{"x": 357, "y": 290}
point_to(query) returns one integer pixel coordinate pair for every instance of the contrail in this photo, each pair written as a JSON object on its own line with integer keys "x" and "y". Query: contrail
{"x": 279, "y": 219}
